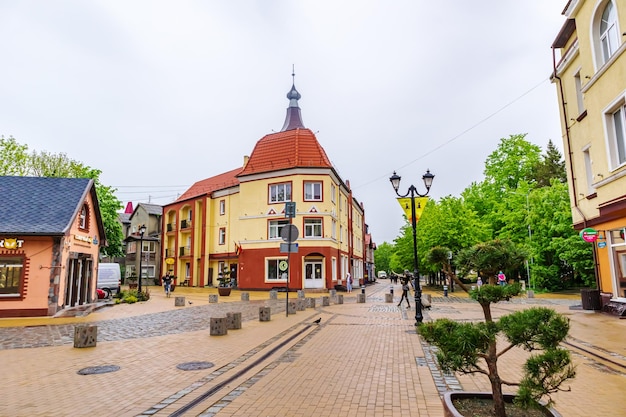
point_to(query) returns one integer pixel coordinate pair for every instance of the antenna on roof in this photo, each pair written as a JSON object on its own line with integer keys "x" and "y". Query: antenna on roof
{"x": 293, "y": 73}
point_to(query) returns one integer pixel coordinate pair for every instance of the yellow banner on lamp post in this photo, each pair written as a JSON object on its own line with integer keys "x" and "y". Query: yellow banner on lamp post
{"x": 420, "y": 204}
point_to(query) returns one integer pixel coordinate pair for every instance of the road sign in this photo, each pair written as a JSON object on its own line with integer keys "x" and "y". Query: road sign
{"x": 289, "y": 233}
{"x": 290, "y": 209}
{"x": 288, "y": 248}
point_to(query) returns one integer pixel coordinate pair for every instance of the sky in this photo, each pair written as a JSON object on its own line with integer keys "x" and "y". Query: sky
{"x": 161, "y": 94}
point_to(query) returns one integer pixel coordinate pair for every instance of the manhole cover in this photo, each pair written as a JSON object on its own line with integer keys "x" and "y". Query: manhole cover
{"x": 194, "y": 366}
{"x": 92, "y": 370}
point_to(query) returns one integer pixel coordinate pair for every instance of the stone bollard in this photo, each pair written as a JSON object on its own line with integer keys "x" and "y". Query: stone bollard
{"x": 179, "y": 302}
{"x": 301, "y": 294}
{"x": 325, "y": 301}
{"x": 332, "y": 293}
{"x": 264, "y": 314}
{"x": 85, "y": 336}
{"x": 389, "y": 298}
{"x": 273, "y": 295}
{"x": 245, "y": 296}
{"x": 530, "y": 294}
{"x": 212, "y": 298}
{"x": 233, "y": 320}
{"x": 426, "y": 300}
{"x": 311, "y": 302}
{"x": 360, "y": 298}
{"x": 291, "y": 307}
{"x": 301, "y": 304}
{"x": 339, "y": 298}
{"x": 219, "y": 326}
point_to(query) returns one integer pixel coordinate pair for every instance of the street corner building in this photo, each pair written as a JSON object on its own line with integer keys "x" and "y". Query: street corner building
{"x": 230, "y": 225}
{"x": 50, "y": 236}
{"x": 589, "y": 73}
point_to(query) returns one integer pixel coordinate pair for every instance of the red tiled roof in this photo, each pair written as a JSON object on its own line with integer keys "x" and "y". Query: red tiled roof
{"x": 207, "y": 186}
{"x": 296, "y": 148}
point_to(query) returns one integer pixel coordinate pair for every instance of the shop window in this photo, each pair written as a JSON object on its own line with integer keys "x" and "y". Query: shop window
{"x": 11, "y": 276}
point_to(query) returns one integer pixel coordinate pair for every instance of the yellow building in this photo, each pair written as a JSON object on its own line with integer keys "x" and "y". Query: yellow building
{"x": 590, "y": 77}
{"x": 230, "y": 224}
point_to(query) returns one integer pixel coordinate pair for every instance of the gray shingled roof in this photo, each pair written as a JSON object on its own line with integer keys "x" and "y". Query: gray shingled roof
{"x": 40, "y": 205}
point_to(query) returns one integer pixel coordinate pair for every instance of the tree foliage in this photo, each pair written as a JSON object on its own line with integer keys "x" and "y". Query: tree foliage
{"x": 382, "y": 256}
{"x": 13, "y": 157}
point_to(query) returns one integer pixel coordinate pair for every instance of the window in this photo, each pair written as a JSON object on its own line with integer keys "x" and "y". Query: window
{"x": 131, "y": 247}
{"x": 312, "y": 227}
{"x": 11, "y": 270}
{"x": 222, "y": 236}
{"x": 333, "y": 191}
{"x": 274, "y": 269}
{"x": 579, "y": 93}
{"x": 280, "y": 193}
{"x": 333, "y": 229}
{"x": 588, "y": 171}
{"x": 609, "y": 40}
{"x": 222, "y": 207}
{"x": 147, "y": 271}
{"x": 615, "y": 120}
{"x": 312, "y": 191}
{"x": 149, "y": 246}
{"x": 275, "y": 226}
{"x": 340, "y": 233}
{"x": 82, "y": 217}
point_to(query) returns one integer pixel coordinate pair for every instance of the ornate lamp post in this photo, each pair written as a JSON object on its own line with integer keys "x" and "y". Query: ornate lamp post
{"x": 142, "y": 230}
{"x": 428, "y": 181}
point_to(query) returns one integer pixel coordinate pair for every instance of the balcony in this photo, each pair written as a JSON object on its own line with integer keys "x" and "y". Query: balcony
{"x": 171, "y": 227}
{"x": 185, "y": 224}
{"x": 184, "y": 251}
{"x": 170, "y": 253}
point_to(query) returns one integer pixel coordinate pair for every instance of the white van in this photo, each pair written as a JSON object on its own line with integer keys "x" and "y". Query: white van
{"x": 382, "y": 274}
{"x": 109, "y": 278}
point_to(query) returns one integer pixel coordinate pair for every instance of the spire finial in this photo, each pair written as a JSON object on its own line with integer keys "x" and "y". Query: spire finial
{"x": 293, "y": 119}
{"x": 293, "y": 74}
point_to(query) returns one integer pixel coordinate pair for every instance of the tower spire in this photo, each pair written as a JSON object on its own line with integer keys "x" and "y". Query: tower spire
{"x": 293, "y": 120}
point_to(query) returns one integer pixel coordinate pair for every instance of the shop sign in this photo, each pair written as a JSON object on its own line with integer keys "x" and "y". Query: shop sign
{"x": 12, "y": 243}
{"x": 589, "y": 235}
{"x": 82, "y": 238}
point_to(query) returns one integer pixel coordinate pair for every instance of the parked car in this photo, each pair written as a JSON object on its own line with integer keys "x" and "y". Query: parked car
{"x": 109, "y": 278}
{"x": 382, "y": 274}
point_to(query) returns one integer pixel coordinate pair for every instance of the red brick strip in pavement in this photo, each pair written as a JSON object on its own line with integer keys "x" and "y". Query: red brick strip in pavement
{"x": 364, "y": 359}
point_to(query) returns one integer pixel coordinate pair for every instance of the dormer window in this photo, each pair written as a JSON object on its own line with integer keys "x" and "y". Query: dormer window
{"x": 83, "y": 217}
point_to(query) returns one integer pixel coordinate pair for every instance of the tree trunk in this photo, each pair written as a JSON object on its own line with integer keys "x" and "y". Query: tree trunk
{"x": 496, "y": 382}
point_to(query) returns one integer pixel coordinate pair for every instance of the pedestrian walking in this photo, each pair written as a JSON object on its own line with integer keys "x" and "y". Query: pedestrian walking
{"x": 479, "y": 282}
{"x": 501, "y": 278}
{"x": 349, "y": 282}
{"x": 167, "y": 284}
{"x": 405, "y": 293}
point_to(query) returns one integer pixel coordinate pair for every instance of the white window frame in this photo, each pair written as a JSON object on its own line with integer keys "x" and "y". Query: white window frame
{"x": 313, "y": 227}
{"x": 279, "y": 274}
{"x": 616, "y": 135}
{"x": 313, "y": 191}
{"x": 605, "y": 42}
{"x": 274, "y": 227}
{"x": 222, "y": 236}
{"x": 588, "y": 169}
{"x": 222, "y": 207}
{"x": 333, "y": 191}
{"x": 279, "y": 193}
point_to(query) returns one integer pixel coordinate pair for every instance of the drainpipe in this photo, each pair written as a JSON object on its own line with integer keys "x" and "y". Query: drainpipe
{"x": 571, "y": 166}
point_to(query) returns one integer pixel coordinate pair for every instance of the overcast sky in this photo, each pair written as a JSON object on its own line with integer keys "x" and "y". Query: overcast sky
{"x": 161, "y": 94}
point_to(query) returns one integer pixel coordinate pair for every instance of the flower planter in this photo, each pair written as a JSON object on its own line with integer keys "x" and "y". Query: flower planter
{"x": 132, "y": 285}
{"x": 450, "y": 396}
{"x": 224, "y": 291}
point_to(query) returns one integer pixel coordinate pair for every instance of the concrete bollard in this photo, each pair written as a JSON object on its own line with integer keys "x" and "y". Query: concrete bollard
{"x": 218, "y": 326}
{"x": 426, "y": 300}
{"x": 85, "y": 336}
{"x": 233, "y": 320}
{"x": 301, "y": 294}
{"x": 325, "y": 301}
{"x": 264, "y": 314}
{"x": 332, "y": 293}
{"x": 179, "y": 302}
{"x": 273, "y": 295}
{"x": 291, "y": 307}
{"x": 360, "y": 298}
{"x": 301, "y": 304}
{"x": 311, "y": 302}
{"x": 530, "y": 294}
{"x": 212, "y": 298}
{"x": 339, "y": 298}
{"x": 389, "y": 298}
{"x": 245, "y": 296}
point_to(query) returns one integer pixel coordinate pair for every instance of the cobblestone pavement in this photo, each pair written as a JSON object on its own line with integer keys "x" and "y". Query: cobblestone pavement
{"x": 364, "y": 359}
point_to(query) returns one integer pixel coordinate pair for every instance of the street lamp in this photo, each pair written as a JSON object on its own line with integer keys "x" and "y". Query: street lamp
{"x": 428, "y": 181}
{"x": 142, "y": 230}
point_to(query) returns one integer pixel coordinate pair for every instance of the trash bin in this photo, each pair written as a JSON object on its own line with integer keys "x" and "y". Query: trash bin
{"x": 590, "y": 299}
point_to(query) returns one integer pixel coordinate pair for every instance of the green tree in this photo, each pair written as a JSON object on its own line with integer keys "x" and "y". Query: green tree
{"x": 490, "y": 257}
{"x": 13, "y": 157}
{"x": 550, "y": 167}
{"x": 382, "y": 256}
{"x": 513, "y": 161}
